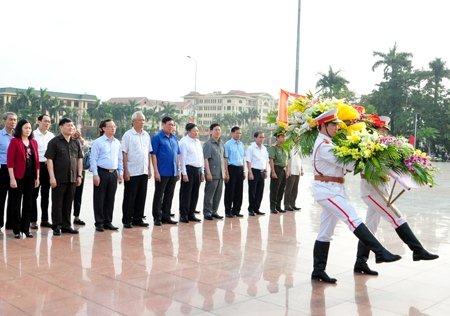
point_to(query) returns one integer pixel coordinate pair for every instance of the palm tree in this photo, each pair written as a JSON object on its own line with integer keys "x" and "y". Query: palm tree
{"x": 438, "y": 72}
{"x": 171, "y": 110}
{"x": 393, "y": 62}
{"x": 333, "y": 84}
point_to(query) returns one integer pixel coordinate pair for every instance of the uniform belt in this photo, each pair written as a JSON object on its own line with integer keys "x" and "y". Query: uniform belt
{"x": 329, "y": 179}
{"x": 107, "y": 170}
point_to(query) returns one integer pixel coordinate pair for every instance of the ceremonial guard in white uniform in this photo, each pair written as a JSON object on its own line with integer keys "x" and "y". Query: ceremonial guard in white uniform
{"x": 377, "y": 208}
{"x": 329, "y": 192}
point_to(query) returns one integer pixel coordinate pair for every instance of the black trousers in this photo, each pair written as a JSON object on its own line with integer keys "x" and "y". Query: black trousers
{"x": 189, "y": 192}
{"x": 44, "y": 187}
{"x": 233, "y": 190}
{"x": 4, "y": 189}
{"x": 62, "y": 199}
{"x": 135, "y": 193}
{"x": 162, "y": 200}
{"x": 23, "y": 194}
{"x": 277, "y": 188}
{"x": 290, "y": 194}
{"x": 78, "y": 197}
{"x": 104, "y": 196}
{"x": 255, "y": 190}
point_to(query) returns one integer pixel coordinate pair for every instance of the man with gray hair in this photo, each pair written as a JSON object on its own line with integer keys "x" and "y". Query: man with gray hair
{"x": 6, "y": 134}
{"x": 136, "y": 149}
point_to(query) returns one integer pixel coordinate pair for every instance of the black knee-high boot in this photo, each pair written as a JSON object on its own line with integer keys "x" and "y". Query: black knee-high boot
{"x": 407, "y": 236}
{"x": 369, "y": 240}
{"x": 362, "y": 255}
{"x": 320, "y": 262}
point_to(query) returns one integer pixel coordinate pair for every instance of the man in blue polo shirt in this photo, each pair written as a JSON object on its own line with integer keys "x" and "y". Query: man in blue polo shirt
{"x": 165, "y": 159}
{"x": 6, "y": 134}
{"x": 234, "y": 150}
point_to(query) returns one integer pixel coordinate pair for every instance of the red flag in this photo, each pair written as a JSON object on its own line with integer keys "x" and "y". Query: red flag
{"x": 412, "y": 140}
{"x": 283, "y": 104}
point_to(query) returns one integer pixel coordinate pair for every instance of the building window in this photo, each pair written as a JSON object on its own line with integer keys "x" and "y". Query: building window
{"x": 228, "y": 101}
{"x": 240, "y": 101}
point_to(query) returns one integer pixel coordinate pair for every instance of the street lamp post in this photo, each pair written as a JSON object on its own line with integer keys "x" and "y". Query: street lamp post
{"x": 415, "y": 130}
{"x": 297, "y": 52}
{"x": 195, "y": 73}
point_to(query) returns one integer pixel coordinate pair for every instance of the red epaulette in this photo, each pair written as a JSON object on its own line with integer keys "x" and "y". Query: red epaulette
{"x": 326, "y": 141}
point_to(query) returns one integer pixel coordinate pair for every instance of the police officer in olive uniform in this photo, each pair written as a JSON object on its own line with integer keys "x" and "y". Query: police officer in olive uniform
{"x": 279, "y": 171}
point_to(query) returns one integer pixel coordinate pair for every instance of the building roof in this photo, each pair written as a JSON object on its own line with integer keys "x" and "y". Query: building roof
{"x": 61, "y": 95}
{"x": 125, "y": 100}
{"x": 238, "y": 93}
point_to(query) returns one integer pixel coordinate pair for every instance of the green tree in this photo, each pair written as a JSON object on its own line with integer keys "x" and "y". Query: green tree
{"x": 393, "y": 94}
{"x": 332, "y": 84}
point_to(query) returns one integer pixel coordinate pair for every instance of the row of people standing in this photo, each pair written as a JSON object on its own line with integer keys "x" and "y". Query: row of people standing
{"x": 58, "y": 165}
{"x": 22, "y": 157}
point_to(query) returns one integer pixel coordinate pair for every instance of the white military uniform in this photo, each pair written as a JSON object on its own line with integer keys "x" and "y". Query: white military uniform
{"x": 376, "y": 206}
{"x": 331, "y": 195}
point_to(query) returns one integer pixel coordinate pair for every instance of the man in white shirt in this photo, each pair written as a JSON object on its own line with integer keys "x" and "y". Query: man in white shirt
{"x": 257, "y": 158}
{"x": 42, "y": 135}
{"x": 136, "y": 148}
{"x": 192, "y": 171}
{"x": 291, "y": 190}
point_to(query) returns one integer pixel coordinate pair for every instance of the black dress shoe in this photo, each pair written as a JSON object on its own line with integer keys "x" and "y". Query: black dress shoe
{"x": 274, "y": 212}
{"x": 194, "y": 219}
{"x": 251, "y": 214}
{"x": 169, "y": 221}
{"x": 33, "y": 226}
{"x": 296, "y": 208}
{"x": 208, "y": 218}
{"x": 79, "y": 222}
{"x": 281, "y": 211}
{"x": 172, "y": 214}
{"x": 197, "y": 212}
{"x": 127, "y": 225}
{"x": 17, "y": 236}
{"x": 217, "y": 216}
{"x": 157, "y": 223}
{"x": 69, "y": 230}
{"x": 184, "y": 220}
{"x": 46, "y": 224}
{"x": 141, "y": 224}
{"x": 238, "y": 215}
{"x": 99, "y": 229}
{"x": 229, "y": 215}
{"x": 260, "y": 213}
{"x": 110, "y": 227}
{"x": 28, "y": 234}
{"x": 288, "y": 209}
{"x": 56, "y": 232}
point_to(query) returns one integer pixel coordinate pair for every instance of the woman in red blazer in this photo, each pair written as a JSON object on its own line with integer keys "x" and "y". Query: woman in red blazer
{"x": 23, "y": 168}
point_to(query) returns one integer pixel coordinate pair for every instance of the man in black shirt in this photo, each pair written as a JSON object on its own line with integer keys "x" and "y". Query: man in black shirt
{"x": 65, "y": 167}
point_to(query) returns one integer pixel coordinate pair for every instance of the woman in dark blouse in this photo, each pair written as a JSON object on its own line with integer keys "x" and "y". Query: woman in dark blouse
{"x": 23, "y": 168}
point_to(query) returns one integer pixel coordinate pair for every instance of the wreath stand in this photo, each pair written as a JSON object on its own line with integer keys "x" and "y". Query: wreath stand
{"x": 405, "y": 182}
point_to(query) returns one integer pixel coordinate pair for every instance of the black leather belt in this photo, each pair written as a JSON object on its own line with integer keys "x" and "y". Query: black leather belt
{"x": 107, "y": 170}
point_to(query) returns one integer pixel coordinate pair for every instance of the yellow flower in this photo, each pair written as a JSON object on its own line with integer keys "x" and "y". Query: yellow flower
{"x": 347, "y": 112}
{"x": 357, "y": 127}
{"x": 298, "y": 106}
{"x": 354, "y": 138}
{"x": 283, "y": 125}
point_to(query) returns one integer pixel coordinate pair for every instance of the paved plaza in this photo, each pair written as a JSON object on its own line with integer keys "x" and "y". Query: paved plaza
{"x": 248, "y": 266}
